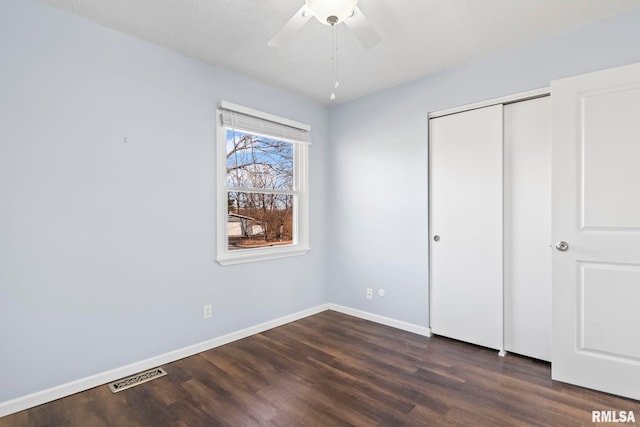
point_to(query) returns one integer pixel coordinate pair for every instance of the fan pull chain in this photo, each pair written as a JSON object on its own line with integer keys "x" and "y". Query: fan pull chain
{"x": 334, "y": 61}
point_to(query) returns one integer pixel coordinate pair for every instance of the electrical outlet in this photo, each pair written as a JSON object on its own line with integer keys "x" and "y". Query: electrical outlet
{"x": 208, "y": 311}
{"x": 369, "y": 293}
{"x": 381, "y": 293}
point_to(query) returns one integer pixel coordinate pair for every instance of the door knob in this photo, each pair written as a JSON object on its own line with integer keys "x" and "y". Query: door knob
{"x": 436, "y": 238}
{"x": 562, "y": 246}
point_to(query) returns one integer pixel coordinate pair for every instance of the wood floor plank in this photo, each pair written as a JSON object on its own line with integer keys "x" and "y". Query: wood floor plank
{"x": 331, "y": 369}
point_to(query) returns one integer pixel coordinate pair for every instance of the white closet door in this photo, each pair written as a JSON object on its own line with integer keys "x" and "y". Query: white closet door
{"x": 527, "y": 228}
{"x": 465, "y": 164}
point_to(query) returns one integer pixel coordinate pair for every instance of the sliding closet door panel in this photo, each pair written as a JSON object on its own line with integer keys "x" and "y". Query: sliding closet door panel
{"x": 527, "y": 203}
{"x": 466, "y": 232}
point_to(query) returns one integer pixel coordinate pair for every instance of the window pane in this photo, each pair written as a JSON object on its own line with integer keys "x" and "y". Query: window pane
{"x": 257, "y": 220}
{"x": 258, "y": 162}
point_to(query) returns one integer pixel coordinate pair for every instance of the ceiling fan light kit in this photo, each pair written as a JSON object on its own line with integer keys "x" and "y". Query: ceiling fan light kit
{"x": 331, "y": 12}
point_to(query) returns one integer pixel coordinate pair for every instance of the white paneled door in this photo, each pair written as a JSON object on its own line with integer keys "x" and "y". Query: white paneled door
{"x": 596, "y": 230}
{"x": 465, "y": 170}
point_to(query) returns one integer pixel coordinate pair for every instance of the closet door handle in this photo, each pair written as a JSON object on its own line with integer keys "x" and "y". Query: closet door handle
{"x": 436, "y": 238}
{"x": 562, "y": 246}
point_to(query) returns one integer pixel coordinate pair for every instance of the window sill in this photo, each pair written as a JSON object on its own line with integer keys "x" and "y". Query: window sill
{"x": 253, "y": 255}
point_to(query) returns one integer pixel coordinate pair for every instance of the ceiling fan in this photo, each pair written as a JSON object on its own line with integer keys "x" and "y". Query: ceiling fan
{"x": 330, "y": 12}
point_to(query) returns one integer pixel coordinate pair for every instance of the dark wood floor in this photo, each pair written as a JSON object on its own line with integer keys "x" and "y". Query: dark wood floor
{"x": 332, "y": 370}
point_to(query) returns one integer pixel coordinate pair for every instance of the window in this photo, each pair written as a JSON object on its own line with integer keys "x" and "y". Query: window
{"x": 262, "y": 185}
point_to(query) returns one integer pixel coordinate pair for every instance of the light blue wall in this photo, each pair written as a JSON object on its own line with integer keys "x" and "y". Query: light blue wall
{"x": 107, "y": 249}
{"x": 378, "y": 161}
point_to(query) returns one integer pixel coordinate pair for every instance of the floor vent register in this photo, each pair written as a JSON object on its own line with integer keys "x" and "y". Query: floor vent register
{"x": 136, "y": 379}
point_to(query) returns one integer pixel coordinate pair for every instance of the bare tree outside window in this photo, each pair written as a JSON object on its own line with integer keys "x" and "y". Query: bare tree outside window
{"x": 260, "y": 190}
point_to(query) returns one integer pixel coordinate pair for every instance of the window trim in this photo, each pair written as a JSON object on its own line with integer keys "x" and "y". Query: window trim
{"x": 301, "y": 207}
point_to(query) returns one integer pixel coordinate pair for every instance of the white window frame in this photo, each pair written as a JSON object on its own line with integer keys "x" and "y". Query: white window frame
{"x": 278, "y": 128}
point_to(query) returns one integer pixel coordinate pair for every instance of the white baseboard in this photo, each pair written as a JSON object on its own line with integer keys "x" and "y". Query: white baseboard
{"x": 398, "y": 324}
{"x": 48, "y": 395}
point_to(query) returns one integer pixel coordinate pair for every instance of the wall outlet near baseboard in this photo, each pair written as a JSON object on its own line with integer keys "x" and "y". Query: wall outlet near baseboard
{"x": 207, "y": 312}
{"x": 369, "y": 293}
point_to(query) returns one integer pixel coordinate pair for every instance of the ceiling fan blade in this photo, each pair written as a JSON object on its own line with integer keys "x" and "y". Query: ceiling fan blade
{"x": 290, "y": 29}
{"x": 362, "y": 29}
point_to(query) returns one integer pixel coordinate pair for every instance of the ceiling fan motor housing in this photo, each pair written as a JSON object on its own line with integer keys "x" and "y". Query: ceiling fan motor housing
{"x": 331, "y": 12}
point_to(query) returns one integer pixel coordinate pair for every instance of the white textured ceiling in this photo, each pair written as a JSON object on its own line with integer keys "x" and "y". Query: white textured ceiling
{"x": 420, "y": 37}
